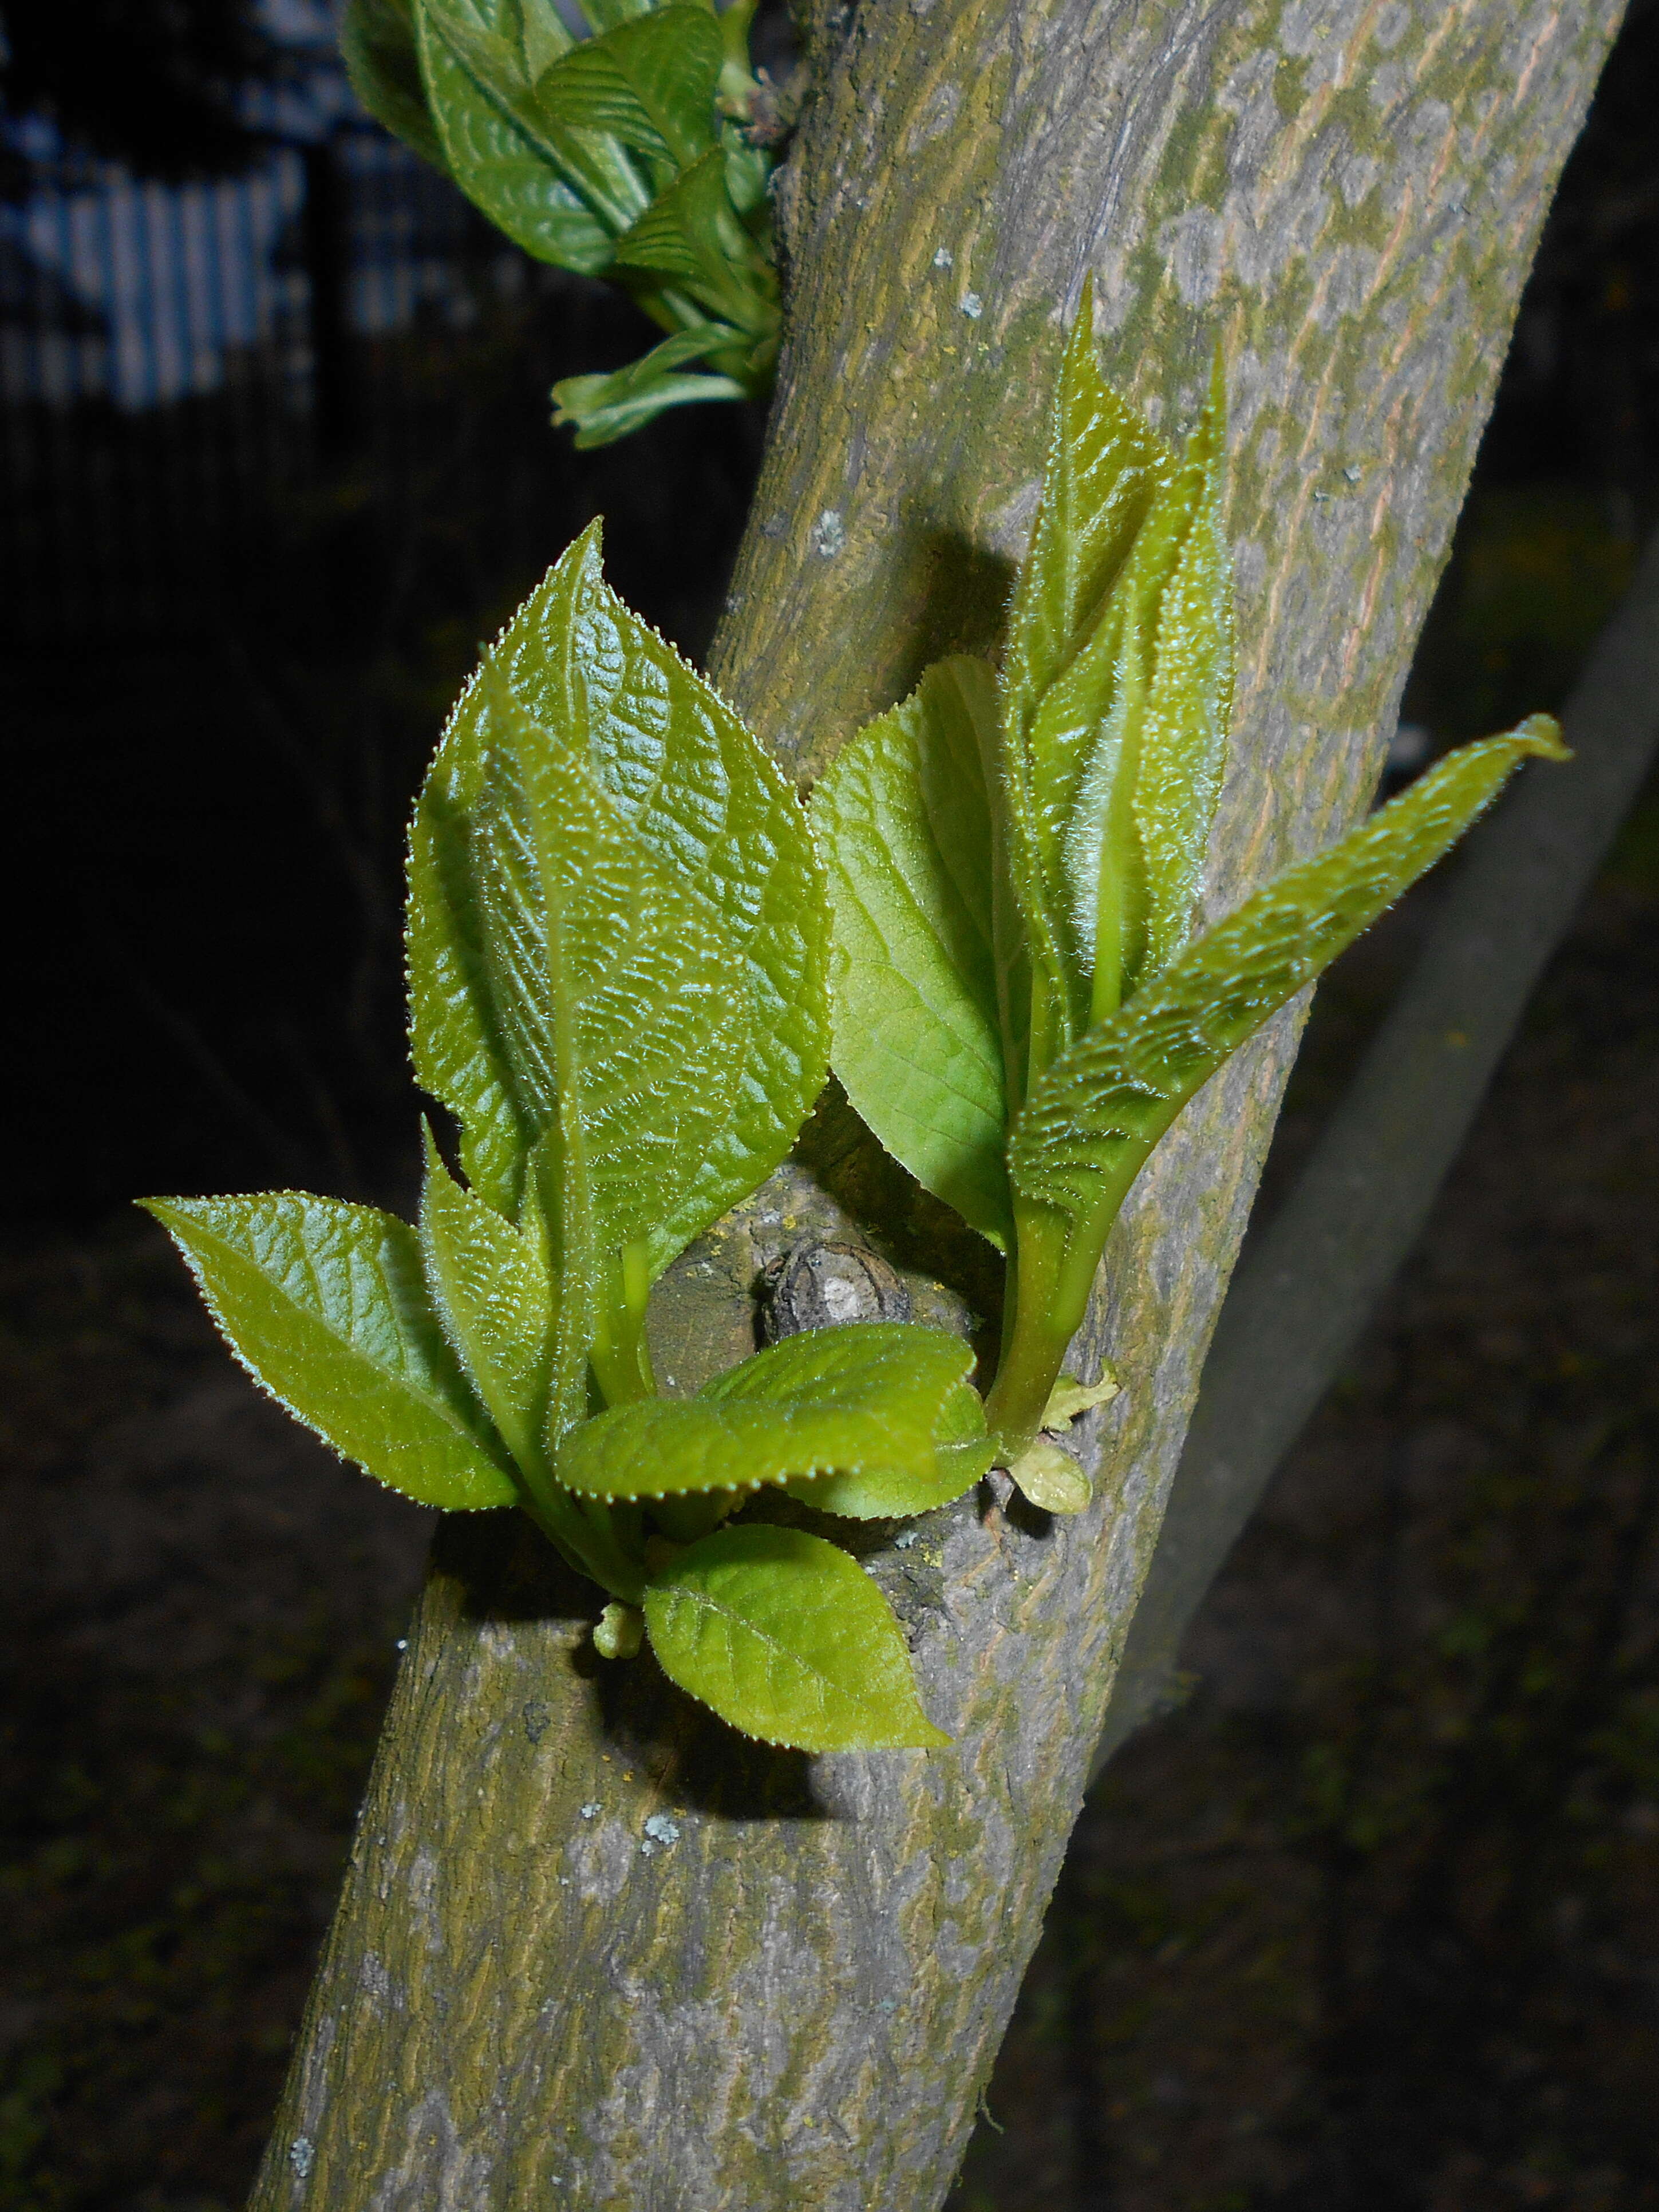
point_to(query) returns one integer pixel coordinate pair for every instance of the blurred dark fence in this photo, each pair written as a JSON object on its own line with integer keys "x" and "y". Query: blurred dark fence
{"x": 275, "y": 456}
{"x": 177, "y": 361}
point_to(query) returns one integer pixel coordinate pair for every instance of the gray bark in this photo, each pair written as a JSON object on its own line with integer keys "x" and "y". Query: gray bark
{"x": 788, "y": 1990}
{"x": 1304, "y": 1292}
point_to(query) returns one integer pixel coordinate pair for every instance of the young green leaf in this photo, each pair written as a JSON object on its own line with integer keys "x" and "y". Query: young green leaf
{"x": 905, "y": 829}
{"x": 1089, "y": 1126}
{"x": 690, "y": 233}
{"x": 715, "y": 821}
{"x": 651, "y": 82}
{"x": 562, "y": 197}
{"x": 543, "y": 36}
{"x": 868, "y": 1420}
{"x": 454, "y": 1034}
{"x": 1128, "y": 746}
{"x": 1051, "y": 1478}
{"x": 605, "y": 408}
{"x": 324, "y": 1305}
{"x": 1070, "y": 1399}
{"x": 1105, "y": 466}
{"x": 377, "y": 44}
{"x": 617, "y": 994}
{"x": 615, "y": 988}
{"x": 783, "y": 1636}
{"x": 490, "y": 1286}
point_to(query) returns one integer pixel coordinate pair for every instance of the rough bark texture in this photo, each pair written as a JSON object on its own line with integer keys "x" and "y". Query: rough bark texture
{"x": 593, "y": 1952}
{"x": 1297, "y": 1306}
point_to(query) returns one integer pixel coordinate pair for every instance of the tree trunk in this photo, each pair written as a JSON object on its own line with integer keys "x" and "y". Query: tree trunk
{"x": 594, "y": 1951}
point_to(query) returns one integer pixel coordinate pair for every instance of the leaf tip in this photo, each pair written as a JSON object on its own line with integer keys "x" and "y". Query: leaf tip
{"x": 1541, "y": 736}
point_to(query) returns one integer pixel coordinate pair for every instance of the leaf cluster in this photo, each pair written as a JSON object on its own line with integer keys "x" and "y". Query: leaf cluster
{"x": 632, "y": 955}
{"x": 617, "y": 947}
{"x": 1016, "y": 857}
{"x": 623, "y": 154}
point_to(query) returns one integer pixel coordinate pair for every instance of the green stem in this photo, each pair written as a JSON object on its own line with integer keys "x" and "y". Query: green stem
{"x": 620, "y": 1356}
{"x": 1039, "y": 1333}
{"x": 586, "y": 1535}
{"x": 1047, "y": 1037}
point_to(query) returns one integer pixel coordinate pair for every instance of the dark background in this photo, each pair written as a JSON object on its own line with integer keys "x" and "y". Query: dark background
{"x": 1373, "y": 1921}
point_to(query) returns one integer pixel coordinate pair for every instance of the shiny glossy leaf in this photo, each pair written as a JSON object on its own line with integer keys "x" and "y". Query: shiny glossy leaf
{"x": 614, "y": 902}
{"x": 1091, "y": 1123}
{"x": 325, "y": 1304}
{"x": 651, "y": 82}
{"x": 490, "y": 1286}
{"x": 616, "y": 992}
{"x": 377, "y": 44}
{"x": 869, "y": 1420}
{"x": 614, "y": 985}
{"x": 905, "y": 827}
{"x": 714, "y": 810}
{"x": 783, "y": 1636}
{"x": 561, "y": 195}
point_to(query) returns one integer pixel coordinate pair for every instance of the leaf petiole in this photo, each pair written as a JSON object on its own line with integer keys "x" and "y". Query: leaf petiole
{"x": 1040, "y": 1330}
{"x": 603, "y": 1542}
{"x": 620, "y": 1356}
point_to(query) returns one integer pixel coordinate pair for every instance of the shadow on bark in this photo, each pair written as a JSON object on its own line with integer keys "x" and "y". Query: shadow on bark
{"x": 507, "y": 1572}
{"x": 966, "y": 589}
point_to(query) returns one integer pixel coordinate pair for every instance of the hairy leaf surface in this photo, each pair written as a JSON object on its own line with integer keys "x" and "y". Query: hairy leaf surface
{"x": 1126, "y": 748}
{"x": 675, "y": 775}
{"x": 1091, "y": 1123}
{"x": 905, "y": 827}
{"x": 783, "y": 1636}
{"x": 873, "y": 1419}
{"x": 1105, "y": 466}
{"x": 491, "y": 1288}
{"x": 325, "y": 1305}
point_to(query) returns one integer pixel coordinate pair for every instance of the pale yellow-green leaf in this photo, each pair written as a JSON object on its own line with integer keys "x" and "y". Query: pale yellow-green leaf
{"x": 325, "y": 1305}
{"x": 1048, "y": 1475}
{"x": 787, "y": 1638}
{"x": 1069, "y": 1398}
{"x": 491, "y": 1288}
{"x": 872, "y": 1420}
{"x": 1090, "y": 1125}
{"x": 694, "y": 941}
{"x": 905, "y": 829}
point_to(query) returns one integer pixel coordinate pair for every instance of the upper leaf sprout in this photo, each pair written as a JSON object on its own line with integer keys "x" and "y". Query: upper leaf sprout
{"x": 632, "y": 153}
